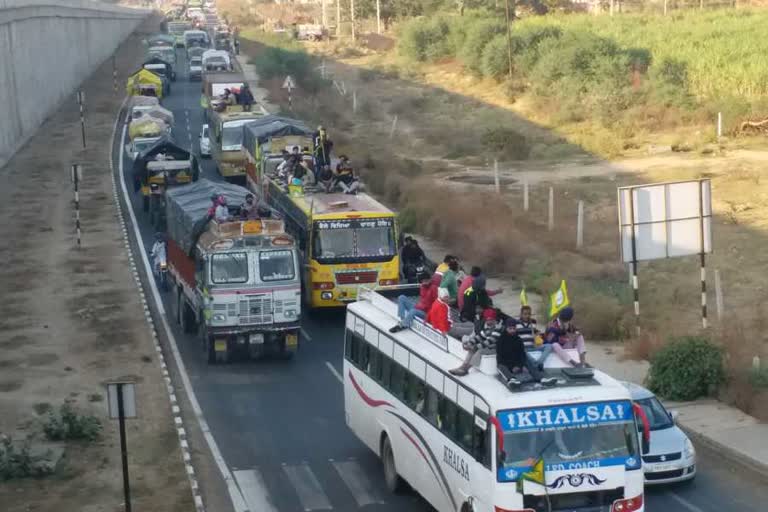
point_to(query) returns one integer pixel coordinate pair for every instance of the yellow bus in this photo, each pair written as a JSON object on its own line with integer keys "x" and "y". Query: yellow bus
{"x": 344, "y": 240}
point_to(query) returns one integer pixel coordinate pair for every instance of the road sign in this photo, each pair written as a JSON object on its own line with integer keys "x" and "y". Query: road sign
{"x": 128, "y": 397}
{"x": 288, "y": 83}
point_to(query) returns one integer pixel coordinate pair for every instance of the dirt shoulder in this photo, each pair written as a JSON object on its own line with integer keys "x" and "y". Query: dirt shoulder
{"x": 71, "y": 318}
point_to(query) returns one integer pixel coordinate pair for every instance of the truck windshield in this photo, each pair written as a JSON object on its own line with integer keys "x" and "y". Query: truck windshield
{"x": 232, "y": 136}
{"x": 229, "y": 268}
{"x": 354, "y": 240}
{"x": 276, "y": 266}
{"x": 568, "y": 437}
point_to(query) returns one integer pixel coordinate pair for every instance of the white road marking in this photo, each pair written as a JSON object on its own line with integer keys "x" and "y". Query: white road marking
{"x": 360, "y": 486}
{"x": 334, "y": 371}
{"x": 684, "y": 502}
{"x": 307, "y": 487}
{"x": 254, "y": 490}
{"x": 238, "y": 502}
{"x": 305, "y": 335}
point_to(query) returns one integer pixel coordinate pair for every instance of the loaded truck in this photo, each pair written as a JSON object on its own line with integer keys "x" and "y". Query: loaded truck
{"x": 236, "y": 284}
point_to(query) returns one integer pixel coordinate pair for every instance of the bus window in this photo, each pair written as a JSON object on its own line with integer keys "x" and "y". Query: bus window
{"x": 386, "y": 371}
{"x": 374, "y": 364}
{"x": 348, "y": 344}
{"x": 398, "y": 381}
{"x": 415, "y": 397}
{"x": 464, "y": 426}
{"x": 447, "y": 417}
{"x": 365, "y": 356}
{"x": 430, "y": 411}
{"x": 355, "y": 350}
{"x": 481, "y": 447}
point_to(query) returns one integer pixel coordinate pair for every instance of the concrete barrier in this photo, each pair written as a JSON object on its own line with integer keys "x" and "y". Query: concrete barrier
{"x": 47, "y": 48}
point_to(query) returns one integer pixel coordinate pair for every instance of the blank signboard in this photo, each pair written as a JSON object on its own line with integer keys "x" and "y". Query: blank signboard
{"x": 668, "y": 219}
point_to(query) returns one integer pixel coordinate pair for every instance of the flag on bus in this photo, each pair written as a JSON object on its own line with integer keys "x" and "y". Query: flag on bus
{"x": 535, "y": 475}
{"x": 558, "y": 300}
{"x": 523, "y": 297}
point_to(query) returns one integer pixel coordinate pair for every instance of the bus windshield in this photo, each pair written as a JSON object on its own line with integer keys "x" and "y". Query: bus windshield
{"x": 568, "y": 437}
{"x": 232, "y": 136}
{"x": 354, "y": 240}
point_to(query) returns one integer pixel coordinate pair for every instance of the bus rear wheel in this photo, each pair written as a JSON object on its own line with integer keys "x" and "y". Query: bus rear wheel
{"x": 394, "y": 482}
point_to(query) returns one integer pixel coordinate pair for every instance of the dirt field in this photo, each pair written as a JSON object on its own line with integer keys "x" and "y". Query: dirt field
{"x": 71, "y": 318}
{"x": 435, "y": 170}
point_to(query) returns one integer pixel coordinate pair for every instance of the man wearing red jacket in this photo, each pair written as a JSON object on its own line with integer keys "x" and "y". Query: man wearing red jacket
{"x": 407, "y": 310}
{"x": 439, "y": 315}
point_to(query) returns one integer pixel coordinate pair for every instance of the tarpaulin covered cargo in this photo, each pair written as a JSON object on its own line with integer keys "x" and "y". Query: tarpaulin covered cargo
{"x": 187, "y": 209}
{"x": 167, "y": 148}
{"x": 147, "y": 126}
{"x": 261, "y": 130}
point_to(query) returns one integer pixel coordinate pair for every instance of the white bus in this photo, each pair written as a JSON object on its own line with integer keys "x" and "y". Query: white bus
{"x": 465, "y": 443}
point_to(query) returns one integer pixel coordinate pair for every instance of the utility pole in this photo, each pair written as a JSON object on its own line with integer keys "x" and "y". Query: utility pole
{"x": 324, "y": 15}
{"x": 509, "y": 38}
{"x": 338, "y": 18}
{"x": 378, "y": 16}
{"x": 352, "y": 17}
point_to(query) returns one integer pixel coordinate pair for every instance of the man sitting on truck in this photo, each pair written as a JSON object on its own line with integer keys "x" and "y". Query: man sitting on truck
{"x": 221, "y": 214}
{"x": 246, "y": 98}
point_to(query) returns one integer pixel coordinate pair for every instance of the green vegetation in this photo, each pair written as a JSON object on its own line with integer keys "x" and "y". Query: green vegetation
{"x": 686, "y": 369}
{"x": 69, "y": 424}
{"x": 583, "y": 67}
{"x": 18, "y": 463}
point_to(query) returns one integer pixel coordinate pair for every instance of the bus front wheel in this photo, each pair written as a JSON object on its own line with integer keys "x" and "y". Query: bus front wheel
{"x": 394, "y": 482}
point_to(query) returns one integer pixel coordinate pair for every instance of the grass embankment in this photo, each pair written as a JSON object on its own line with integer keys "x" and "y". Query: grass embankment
{"x": 493, "y": 230}
{"x": 611, "y": 83}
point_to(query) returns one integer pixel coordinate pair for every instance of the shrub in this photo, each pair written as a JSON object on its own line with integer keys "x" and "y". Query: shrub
{"x": 758, "y": 377}
{"x": 18, "y": 463}
{"x": 425, "y": 40}
{"x": 70, "y": 425}
{"x": 495, "y": 63}
{"x": 479, "y": 34}
{"x": 505, "y": 143}
{"x": 686, "y": 369}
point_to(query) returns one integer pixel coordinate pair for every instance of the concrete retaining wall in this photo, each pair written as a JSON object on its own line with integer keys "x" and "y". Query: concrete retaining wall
{"x": 47, "y": 48}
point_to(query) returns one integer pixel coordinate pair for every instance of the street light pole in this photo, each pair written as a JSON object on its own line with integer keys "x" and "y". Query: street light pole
{"x": 509, "y": 38}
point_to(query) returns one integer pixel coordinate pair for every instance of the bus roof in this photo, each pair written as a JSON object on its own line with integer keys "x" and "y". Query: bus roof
{"x": 328, "y": 206}
{"x": 381, "y": 312}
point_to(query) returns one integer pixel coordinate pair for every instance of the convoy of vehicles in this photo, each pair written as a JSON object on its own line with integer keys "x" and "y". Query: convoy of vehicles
{"x": 236, "y": 284}
{"x": 196, "y": 38}
{"x": 177, "y": 30}
{"x": 472, "y": 443}
{"x": 165, "y": 54}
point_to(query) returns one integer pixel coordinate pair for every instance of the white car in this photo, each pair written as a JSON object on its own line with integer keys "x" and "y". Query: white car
{"x": 205, "y": 142}
{"x": 672, "y": 457}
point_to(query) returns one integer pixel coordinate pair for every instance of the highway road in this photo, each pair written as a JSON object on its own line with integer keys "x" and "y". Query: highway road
{"x": 280, "y": 425}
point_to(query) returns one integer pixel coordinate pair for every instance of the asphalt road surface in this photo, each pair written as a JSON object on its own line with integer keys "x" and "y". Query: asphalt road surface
{"x": 280, "y": 425}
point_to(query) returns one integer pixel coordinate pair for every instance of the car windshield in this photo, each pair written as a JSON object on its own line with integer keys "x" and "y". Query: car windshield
{"x": 657, "y": 415}
{"x": 229, "y": 268}
{"x": 196, "y": 62}
{"x": 345, "y": 241}
{"x": 276, "y": 266}
{"x": 568, "y": 438}
{"x": 142, "y": 145}
{"x": 232, "y": 137}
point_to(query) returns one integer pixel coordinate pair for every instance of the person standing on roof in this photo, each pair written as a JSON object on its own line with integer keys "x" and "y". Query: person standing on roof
{"x": 323, "y": 146}
{"x": 450, "y": 281}
{"x": 467, "y": 282}
{"x": 246, "y": 98}
{"x": 483, "y": 341}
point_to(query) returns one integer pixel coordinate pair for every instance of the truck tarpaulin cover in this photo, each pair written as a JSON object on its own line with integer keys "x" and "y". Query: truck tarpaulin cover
{"x": 162, "y": 146}
{"x": 187, "y": 208}
{"x": 260, "y": 131}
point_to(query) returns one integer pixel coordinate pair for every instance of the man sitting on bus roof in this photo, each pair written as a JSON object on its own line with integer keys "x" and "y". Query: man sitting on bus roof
{"x": 484, "y": 341}
{"x": 408, "y": 309}
{"x": 450, "y": 281}
{"x": 439, "y": 316}
{"x": 512, "y": 360}
{"x": 345, "y": 176}
{"x": 467, "y": 283}
{"x": 561, "y": 335}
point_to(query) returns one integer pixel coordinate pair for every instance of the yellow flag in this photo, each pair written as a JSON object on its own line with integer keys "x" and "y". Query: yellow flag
{"x": 558, "y": 300}
{"x": 523, "y": 298}
{"x": 536, "y": 474}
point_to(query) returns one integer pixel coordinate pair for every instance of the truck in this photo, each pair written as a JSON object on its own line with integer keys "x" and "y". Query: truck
{"x": 214, "y": 85}
{"x": 227, "y": 139}
{"x": 236, "y": 284}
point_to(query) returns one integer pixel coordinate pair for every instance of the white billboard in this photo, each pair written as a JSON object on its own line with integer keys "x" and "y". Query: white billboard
{"x": 665, "y": 220}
